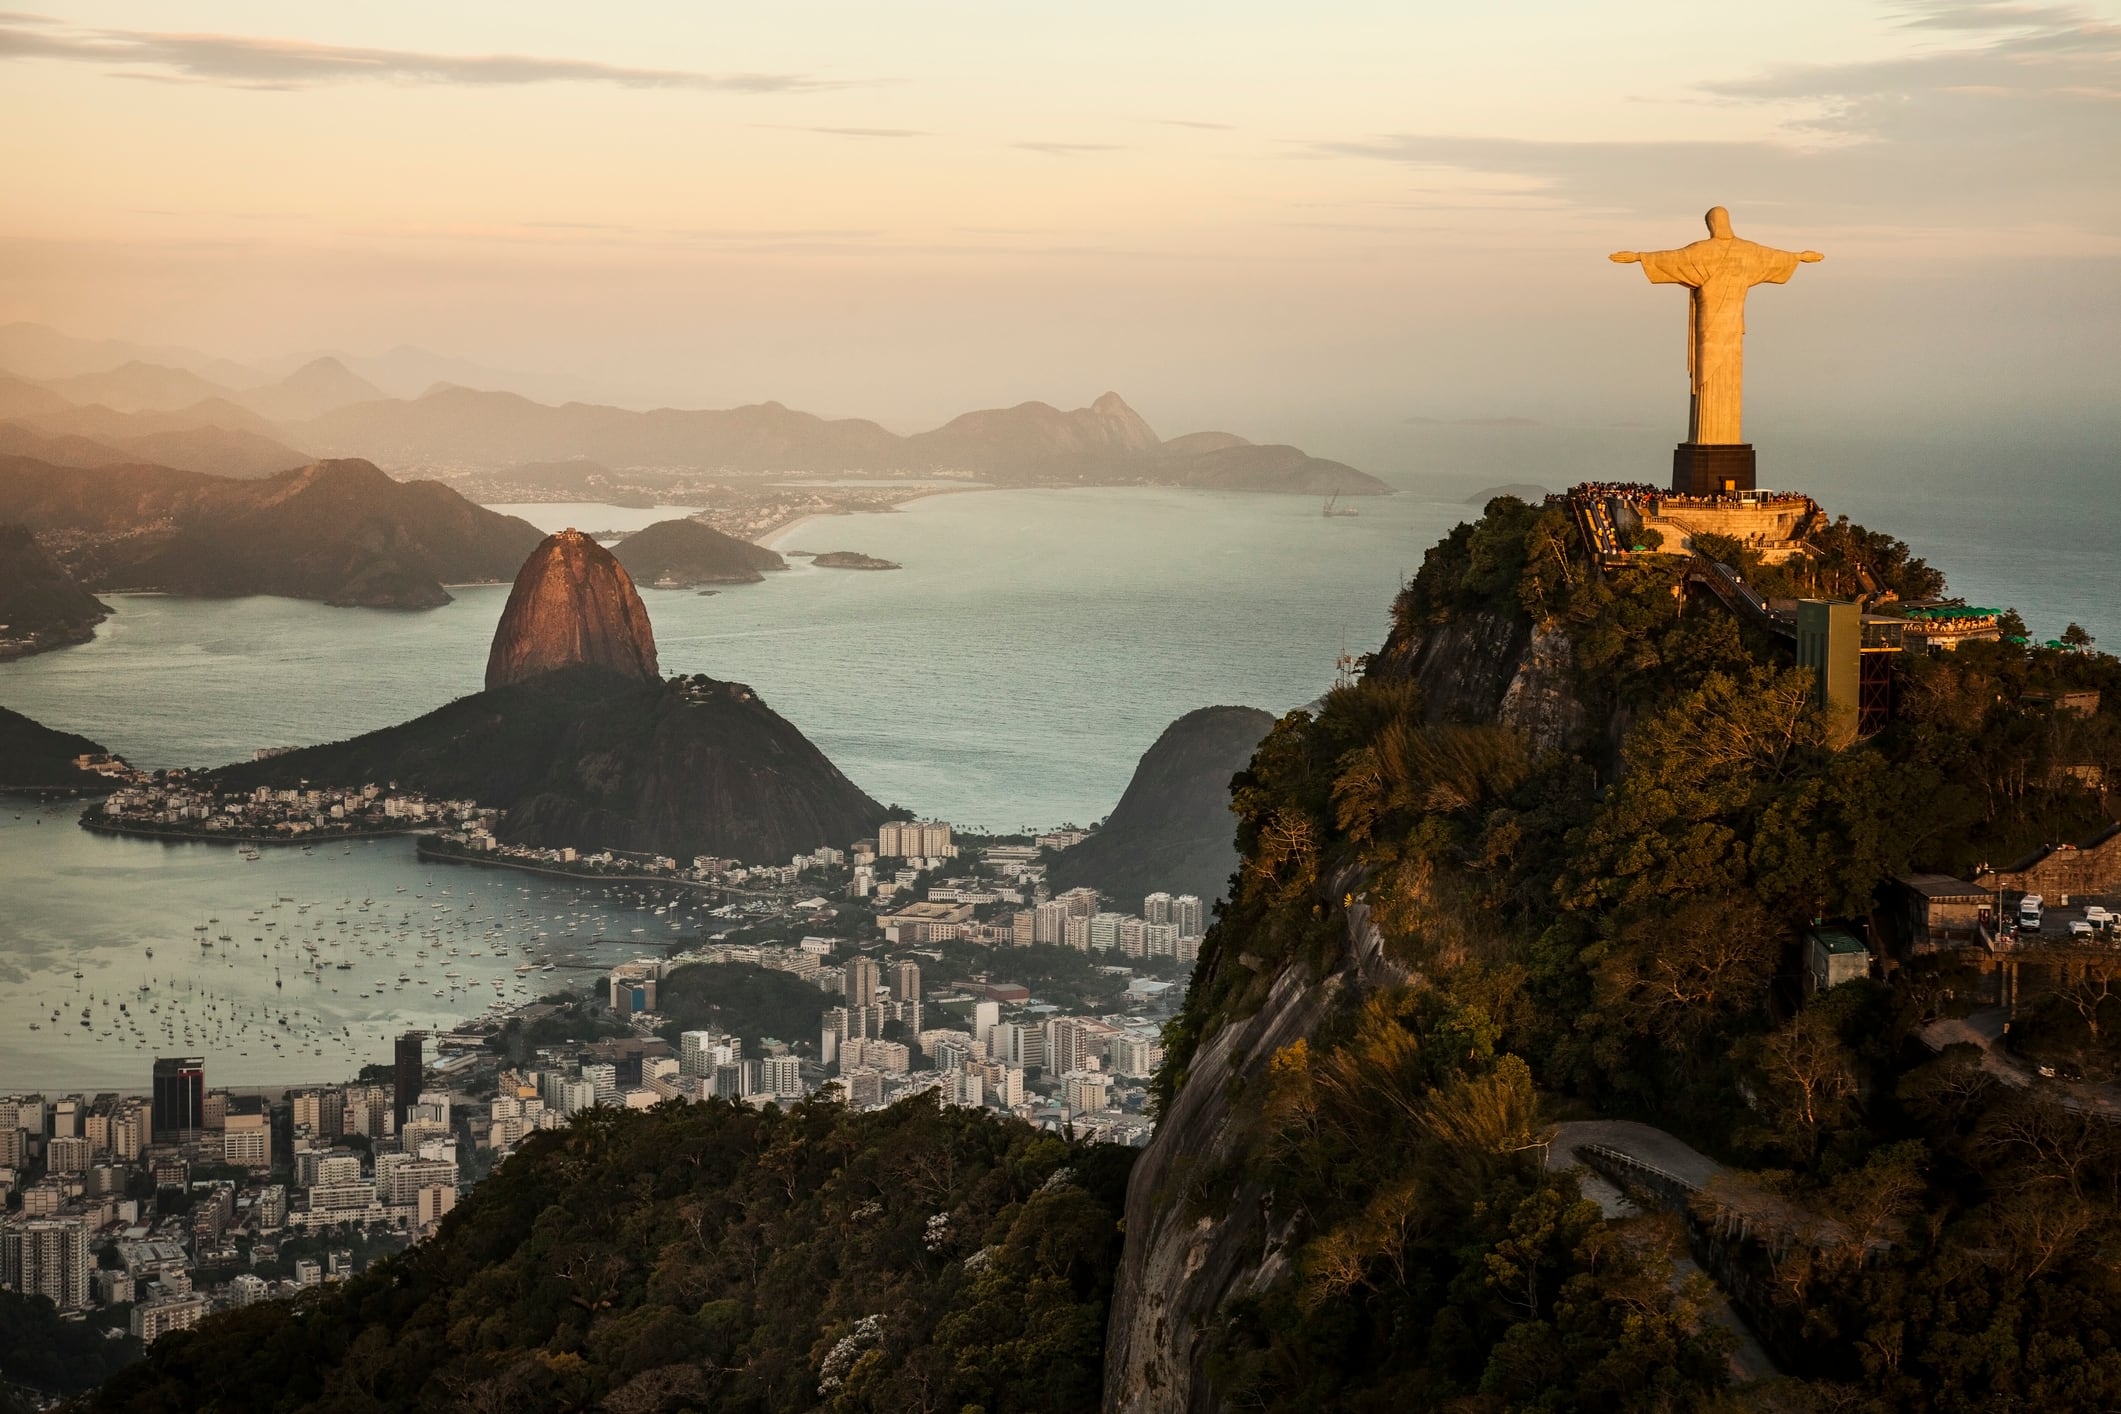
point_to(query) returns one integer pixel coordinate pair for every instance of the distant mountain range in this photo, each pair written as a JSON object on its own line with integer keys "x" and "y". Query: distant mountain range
{"x": 1029, "y": 443}
{"x": 337, "y": 531}
{"x": 315, "y": 388}
{"x": 122, "y": 402}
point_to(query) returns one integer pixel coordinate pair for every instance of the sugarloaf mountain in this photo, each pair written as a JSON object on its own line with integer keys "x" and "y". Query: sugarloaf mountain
{"x": 583, "y": 743}
{"x": 572, "y": 603}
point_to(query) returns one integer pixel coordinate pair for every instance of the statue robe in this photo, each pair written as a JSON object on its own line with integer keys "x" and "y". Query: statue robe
{"x": 1719, "y": 271}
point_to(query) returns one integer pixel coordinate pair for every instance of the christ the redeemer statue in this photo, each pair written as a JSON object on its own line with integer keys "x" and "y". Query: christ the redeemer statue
{"x": 1717, "y": 272}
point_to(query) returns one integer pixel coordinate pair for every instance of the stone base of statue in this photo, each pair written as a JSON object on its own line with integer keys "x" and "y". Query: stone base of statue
{"x": 1712, "y": 469}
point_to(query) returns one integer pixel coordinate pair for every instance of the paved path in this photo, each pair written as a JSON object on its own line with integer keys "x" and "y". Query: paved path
{"x": 1984, "y": 1028}
{"x": 1650, "y": 1145}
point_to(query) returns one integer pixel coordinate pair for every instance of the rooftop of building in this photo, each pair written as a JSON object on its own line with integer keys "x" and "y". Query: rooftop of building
{"x": 1944, "y": 886}
{"x": 1838, "y": 942}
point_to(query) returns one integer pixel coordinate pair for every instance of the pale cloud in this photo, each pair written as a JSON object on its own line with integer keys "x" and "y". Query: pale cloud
{"x": 246, "y": 61}
{"x": 2001, "y": 128}
{"x": 848, "y": 132}
{"x": 1066, "y": 149}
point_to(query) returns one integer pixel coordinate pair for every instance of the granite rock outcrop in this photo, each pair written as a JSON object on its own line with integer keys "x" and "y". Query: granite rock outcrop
{"x": 573, "y": 604}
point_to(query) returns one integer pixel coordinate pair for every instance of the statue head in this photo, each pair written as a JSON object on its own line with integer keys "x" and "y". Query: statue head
{"x": 1719, "y": 223}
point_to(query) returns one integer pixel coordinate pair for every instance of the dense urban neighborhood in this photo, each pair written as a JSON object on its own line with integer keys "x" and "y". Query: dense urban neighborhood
{"x": 913, "y": 963}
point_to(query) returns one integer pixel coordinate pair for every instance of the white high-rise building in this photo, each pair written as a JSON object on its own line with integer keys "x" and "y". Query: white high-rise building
{"x": 1019, "y": 1045}
{"x": 1156, "y": 908}
{"x": 1187, "y": 915}
{"x": 46, "y": 1257}
{"x": 699, "y": 1052}
{"x": 914, "y": 839}
{"x": 781, "y": 1076}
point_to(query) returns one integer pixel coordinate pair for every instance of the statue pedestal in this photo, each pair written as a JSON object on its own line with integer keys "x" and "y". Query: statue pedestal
{"x": 1712, "y": 469}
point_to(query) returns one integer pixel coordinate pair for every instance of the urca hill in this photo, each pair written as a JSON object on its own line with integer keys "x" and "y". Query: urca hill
{"x": 582, "y": 742}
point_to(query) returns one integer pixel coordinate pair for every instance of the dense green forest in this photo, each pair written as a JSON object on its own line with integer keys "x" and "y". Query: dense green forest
{"x": 1611, "y": 930}
{"x": 41, "y": 1351}
{"x": 707, "y": 1256}
{"x": 741, "y": 999}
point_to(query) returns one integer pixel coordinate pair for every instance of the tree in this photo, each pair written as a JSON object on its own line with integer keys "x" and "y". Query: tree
{"x": 1810, "y": 1078}
{"x": 2086, "y": 986}
{"x": 2076, "y": 636}
{"x": 1679, "y": 973}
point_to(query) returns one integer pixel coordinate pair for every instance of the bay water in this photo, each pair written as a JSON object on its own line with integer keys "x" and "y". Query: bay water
{"x": 1010, "y": 674}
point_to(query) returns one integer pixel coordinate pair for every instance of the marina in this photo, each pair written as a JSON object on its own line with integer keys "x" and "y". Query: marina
{"x": 296, "y": 966}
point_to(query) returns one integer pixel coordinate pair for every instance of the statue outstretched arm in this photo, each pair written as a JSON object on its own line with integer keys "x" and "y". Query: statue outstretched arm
{"x": 1810, "y": 257}
{"x": 1625, "y": 257}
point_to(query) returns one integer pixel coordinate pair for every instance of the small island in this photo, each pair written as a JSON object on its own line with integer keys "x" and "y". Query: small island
{"x": 851, "y": 560}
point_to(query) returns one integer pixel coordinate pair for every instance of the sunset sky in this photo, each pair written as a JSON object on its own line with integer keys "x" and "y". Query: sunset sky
{"x": 1237, "y": 214}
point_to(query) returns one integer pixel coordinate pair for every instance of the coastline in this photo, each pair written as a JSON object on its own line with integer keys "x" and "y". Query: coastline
{"x": 423, "y": 850}
{"x": 771, "y": 537}
{"x": 103, "y": 827}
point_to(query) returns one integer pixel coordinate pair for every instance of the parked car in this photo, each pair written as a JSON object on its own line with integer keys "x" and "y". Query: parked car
{"x": 2078, "y": 928}
{"x": 2098, "y": 915}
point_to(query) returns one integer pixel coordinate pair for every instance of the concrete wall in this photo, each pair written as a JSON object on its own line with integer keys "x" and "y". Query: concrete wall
{"x": 2065, "y": 869}
{"x": 1774, "y": 524}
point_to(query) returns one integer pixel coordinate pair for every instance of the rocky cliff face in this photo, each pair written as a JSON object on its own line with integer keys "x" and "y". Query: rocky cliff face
{"x": 1180, "y": 1265}
{"x": 572, "y": 604}
{"x": 1172, "y": 829}
{"x": 1183, "y": 1263}
{"x": 1491, "y": 667}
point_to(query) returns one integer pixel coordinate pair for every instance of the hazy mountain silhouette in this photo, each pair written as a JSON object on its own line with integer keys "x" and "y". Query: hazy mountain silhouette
{"x": 21, "y": 398}
{"x": 37, "y": 351}
{"x": 138, "y": 387}
{"x": 310, "y": 391}
{"x": 1030, "y": 443}
{"x": 337, "y": 531}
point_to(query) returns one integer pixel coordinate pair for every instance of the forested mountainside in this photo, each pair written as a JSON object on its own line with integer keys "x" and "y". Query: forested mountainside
{"x": 1172, "y": 827}
{"x": 587, "y": 757}
{"x": 41, "y": 606}
{"x": 686, "y": 553}
{"x": 707, "y": 1256}
{"x": 34, "y": 757}
{"x": 341, "y": 532}
{"x": 1551, "y": 859}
